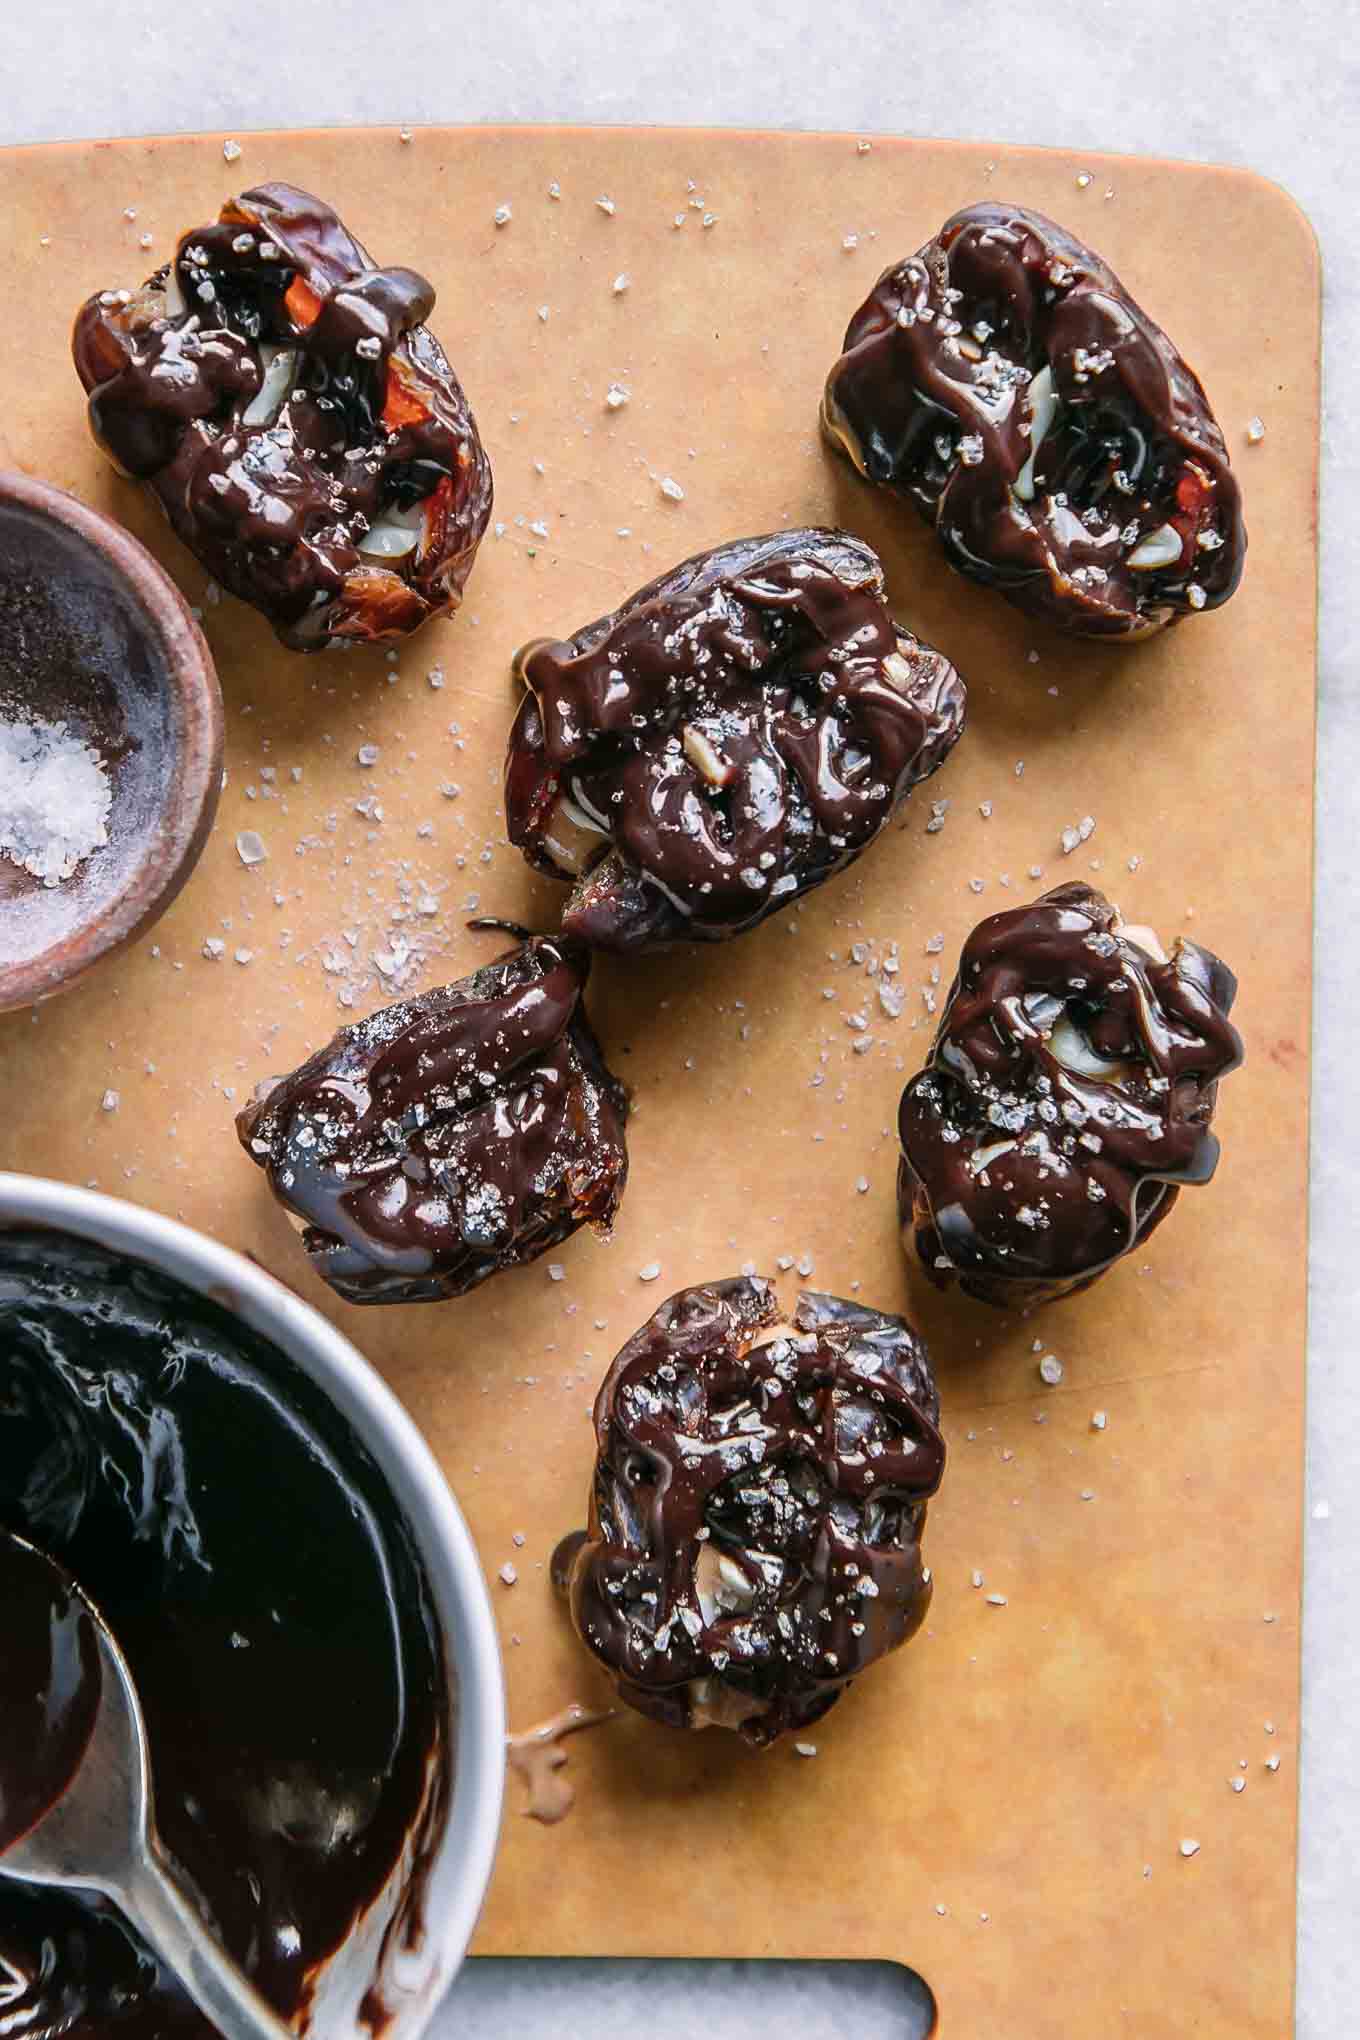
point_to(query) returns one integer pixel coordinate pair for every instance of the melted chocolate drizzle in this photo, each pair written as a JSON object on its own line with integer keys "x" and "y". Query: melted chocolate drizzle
{"x": 296, "y": 420}
{"x": 250, "y": 1559}
{"x": 1068, "y": 1096}
{"x": 451, "y": 1135}
{"x": 758, "y": 1504}
{"x": 741, "y": 729}
{"x": 1005, "y": 382}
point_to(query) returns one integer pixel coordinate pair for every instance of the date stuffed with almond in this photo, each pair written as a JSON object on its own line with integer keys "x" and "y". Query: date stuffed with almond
{"x": 300, "y": 426}
{"x": 1003, "y": 380}
{"x": 734, "y": 735}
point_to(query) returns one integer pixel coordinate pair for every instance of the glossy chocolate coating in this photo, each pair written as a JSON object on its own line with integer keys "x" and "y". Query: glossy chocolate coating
{"x": 50, "y": 1683}
{"x": 1068, "y": 1095}
{"x": 759, "y": 1498}
{"x": 249, "y": 1558}
{"x": 943, "y": 370}
{"x": 285, "y": 484}
{"x": 457, "y": 1133}
{"x": 741, "y": 729}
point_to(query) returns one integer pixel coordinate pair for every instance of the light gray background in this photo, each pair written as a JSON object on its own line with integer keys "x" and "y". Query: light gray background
{"x": 1253, "y": 83}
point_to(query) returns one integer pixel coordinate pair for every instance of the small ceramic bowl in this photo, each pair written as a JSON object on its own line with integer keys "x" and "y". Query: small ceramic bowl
{"x": 94, "y": 634}
{"x": 408, "y": 1982}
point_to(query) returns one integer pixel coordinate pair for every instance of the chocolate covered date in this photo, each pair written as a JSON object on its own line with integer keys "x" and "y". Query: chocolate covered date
{"x": 738, "y": 731}
{"x": 1068, "y": 1096}
{"x": 460, "y": 1132}
{"x": 1005, "y": 382}
{"x": 295, "y": 418}
{"x": 759, "y": 1497}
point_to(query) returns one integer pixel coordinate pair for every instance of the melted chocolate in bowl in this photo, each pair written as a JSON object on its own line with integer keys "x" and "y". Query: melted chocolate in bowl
{"x": 50, "y": 1682}
{"x": 250, "y": 1560}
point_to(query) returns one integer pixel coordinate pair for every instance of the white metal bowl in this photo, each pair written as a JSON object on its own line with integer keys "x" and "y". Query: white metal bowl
{"x": 411, "y": 1983}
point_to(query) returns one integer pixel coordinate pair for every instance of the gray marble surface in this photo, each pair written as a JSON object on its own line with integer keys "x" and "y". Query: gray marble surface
{"x": 1278, "y": 91}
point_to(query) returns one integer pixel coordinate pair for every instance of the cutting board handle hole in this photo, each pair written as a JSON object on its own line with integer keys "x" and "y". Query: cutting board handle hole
{"x": 616, "y": 1998}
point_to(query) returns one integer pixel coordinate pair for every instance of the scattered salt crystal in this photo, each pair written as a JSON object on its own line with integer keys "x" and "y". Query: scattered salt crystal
{"x": 517, "y": 1539}
{"x": 231, "y": 152}
{"x": 1321, "y": 1511}
{"x": 649, "y": 1271}
{"x": 977, "y": 1579}
{"x": 109, "y": 1102}
{"x": 1078, "y": 833}
{"x": 863, "y": 148}
{"x": 621, "y": 282}
{"x": 616, "y": 396}
{"x": 996, "y": 1601}
{"x": 404, "y": 134}
{"x": 1051, "y": 1369}
{"x": 502, "y": 215}
{"x": 543, "y": 313}
{"x": 671, "y": 489}
{"x": 1189, "y": 1848}
{"x": 1083, "y": 179}
{"x": 1098, "y": 1420}
{"x": 554, "y": 189}
{"x": 556, "y": 1272}
{"x": 1256, "y": 430}
{"x": 606, "y": 205}
{"x": 508, "y": 1574}
{"x": 862, "y": 1185}
{"x": 144, "y": 240}
{"x": 805, "y": 1749}
{"x": 245, "y": 956}
{"x": 805, "y": 1264}
{"x": 850, "y": 243}
{"x": 1238, "y": 1784}
{"x": 1272, "y": 1763}
{"x": 213, "y": 948}
{"x": 250, "y": 847}
{"x": 55, "y": 798}
{"x": 710, "y": 219}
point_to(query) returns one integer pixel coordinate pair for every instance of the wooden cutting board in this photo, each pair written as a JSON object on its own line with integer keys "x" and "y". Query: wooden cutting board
{"x": 1003, "y": 1805}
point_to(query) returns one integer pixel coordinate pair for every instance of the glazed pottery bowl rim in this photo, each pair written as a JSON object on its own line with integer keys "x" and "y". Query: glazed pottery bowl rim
{"x": 162, "y": 859}
{"x": 461, "y": 1868}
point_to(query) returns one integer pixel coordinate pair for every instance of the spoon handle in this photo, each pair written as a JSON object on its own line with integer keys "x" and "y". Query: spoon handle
{"x": 164, "y": 1914}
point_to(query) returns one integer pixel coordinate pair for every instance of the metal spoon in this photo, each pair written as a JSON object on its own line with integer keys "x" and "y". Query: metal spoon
{"x": 100, "y": 1835}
